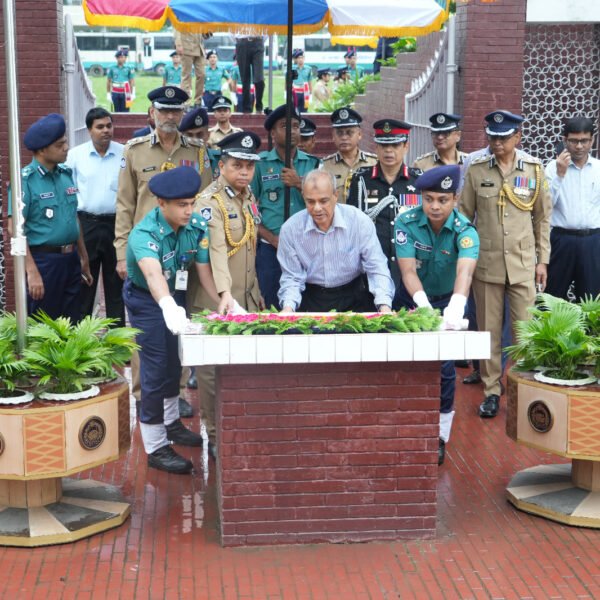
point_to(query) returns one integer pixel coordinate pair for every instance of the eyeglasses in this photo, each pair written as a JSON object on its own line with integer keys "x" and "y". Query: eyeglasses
{"x": 578, "y": 141}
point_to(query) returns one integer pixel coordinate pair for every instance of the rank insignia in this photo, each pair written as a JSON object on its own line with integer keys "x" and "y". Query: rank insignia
{"x": 401, "y": 238}
{"x": 167, "y": 166}
{"x": 273, "y": 196}
{"x": 387, "y": 127}
{"x": 466, "y": 242}
{"x": 411, "y": 188}
{"x": 153, "y": 246}
{"x": 49, "y": 213}
{"x": 206, "y": 213}
{"x": 446, "y": 183}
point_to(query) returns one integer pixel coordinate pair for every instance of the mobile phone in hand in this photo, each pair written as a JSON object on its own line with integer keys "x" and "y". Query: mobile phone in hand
{"x": 559, "y": 148}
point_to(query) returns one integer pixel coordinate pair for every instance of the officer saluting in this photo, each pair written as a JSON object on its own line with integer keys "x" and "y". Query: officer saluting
{"x": 387, "y": 188}
{"x": 437, "y": 250}
{"x": 162, "y": 247}
{"x": 229, "y": 207}
{"x": 445, "y": 135}
{"x": 56, "y": 259}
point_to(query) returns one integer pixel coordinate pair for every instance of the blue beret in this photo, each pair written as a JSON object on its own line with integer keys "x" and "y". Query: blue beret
{"x": 180, "y": 183}
{"x": 503, "y": 123}
{"x": 297, "y": 52}
{"x": 345, "y": 117}
{"x": 350, "y": 54}
{"x": 169, "y": 96}
{"x": 444, "y": 122}
{"x": 440, "y": 179}
{"x": 323, "y": 72}
{"x": 279, "y": 113}
{"x": 241, "y": 144}
{"x": 197, "y": 117}
{"x": 211, "y": 53}
{"x": 307, "y": 127}
{"x": 44, "y": 131}
{"x": 121, "y": 52}
{"x": 221, "y": 102}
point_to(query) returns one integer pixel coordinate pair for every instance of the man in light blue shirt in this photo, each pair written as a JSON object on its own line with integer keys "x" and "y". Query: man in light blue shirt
{"x": 325, "y": 252}
{"x": 574, "y": 178}
{"x": 96, "y": 166}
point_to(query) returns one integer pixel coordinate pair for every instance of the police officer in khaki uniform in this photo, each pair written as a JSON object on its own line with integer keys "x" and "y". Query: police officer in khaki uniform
{"x": 230, "y": 209}
{"x": 445, "y": 135}
{"x": 349, "y": 158}
{"x": 191, "y": 49}
{"x": 508, "y": 195}
{"x": 221, "y": 108}
{"x": 143, "y": 158}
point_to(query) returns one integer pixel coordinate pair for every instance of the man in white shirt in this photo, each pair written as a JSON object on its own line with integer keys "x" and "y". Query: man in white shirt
{"x": 574, "y": 178}
{"x": 96, "y": 166}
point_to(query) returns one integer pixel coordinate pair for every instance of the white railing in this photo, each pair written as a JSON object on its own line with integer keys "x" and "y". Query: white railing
{"x": 80, "y": 97}
{"x": 431, "y": 92}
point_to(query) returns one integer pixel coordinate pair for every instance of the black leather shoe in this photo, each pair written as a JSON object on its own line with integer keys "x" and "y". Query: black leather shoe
{"x": 212, "y": 449}
{"x": 489, "y": 407}
{"x": 461, "y": 364}
{"x": 473, "y": 377}
{"x": 441, "y": 452}
{"x": 192, "y": 382}
{"x": 179, "y": 434}
{"x": 166, "y": 459}
{"x": 185, "y": 409}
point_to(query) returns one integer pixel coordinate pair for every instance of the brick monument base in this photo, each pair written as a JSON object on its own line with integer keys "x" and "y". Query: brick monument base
{"x": 343, "y": 452}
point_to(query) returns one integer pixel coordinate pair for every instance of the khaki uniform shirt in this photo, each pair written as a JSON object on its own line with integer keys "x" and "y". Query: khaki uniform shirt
{"x": 142, "y": 159}
{"x": 339, "y": 168}
{"x": 511, "y": 238}
{"x": 432, "y": 159}
{"x": 190, "y": 42}
{"x": 217, "y": 134}
{"x": 235, "y": 273}
{"x": 320, "y": 93}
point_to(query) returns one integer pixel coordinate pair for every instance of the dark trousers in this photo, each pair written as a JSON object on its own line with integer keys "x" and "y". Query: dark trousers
{"x": 447, "y": 371}
{"x": 250, "y": 58}
{"x": 575, "y": 258}
{"x": 119, "y": 102}
{"x": 354, "y": 296}
{"x": 268, "y": 272}
{"x": 299, "y": 101}
{"x": 160, "y": 369}
{"x": 61, "y": 274}
{"x": 99, "y": 235}
{"x": 209, "y": 98}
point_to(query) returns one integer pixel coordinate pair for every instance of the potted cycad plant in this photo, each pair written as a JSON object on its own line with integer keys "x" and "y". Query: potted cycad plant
{"x": 13, "y": 373}
{"x": 555, "y": 343}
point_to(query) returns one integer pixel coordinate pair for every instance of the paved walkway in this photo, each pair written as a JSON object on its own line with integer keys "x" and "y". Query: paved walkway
{"x": 169, "y": 548}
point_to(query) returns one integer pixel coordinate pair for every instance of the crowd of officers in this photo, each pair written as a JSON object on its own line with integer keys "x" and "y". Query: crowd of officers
{"x": 201, "y": 225}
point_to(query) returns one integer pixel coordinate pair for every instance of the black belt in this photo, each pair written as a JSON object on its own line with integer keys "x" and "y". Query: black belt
{"x": 139, "y": 288}
{"x": 108, "y": 217}
{"x": 577, "y": 232}
{"x": 66, "y": 249}
{"x": 335, "y": 290}
{"x": 440, "y": 298}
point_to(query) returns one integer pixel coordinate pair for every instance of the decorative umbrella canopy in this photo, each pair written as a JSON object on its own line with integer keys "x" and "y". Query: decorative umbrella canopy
{"x": 355, "y": 17}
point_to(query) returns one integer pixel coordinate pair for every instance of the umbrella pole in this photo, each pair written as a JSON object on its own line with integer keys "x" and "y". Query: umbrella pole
{"x": 271, "y": 71}
{"x": 289, "y": 101}
{"x": 18, "y": 241}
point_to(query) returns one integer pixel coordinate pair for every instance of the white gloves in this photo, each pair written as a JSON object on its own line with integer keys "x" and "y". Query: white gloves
{"x": 454, "y": 313}
{"x": 421, "y": 300}
{"x": 133, "y": 95}
{"x": 174, "y": 315}
{"x": 237, "y": 309}
{"x": 109, "y": 96}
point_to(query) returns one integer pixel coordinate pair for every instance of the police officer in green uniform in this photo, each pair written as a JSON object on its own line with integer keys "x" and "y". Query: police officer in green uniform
{"x": 172, "y": 74}
{"x": 270, "y": 178}
{"x": 213, "y": 79}
{"x": 56, "y": 259}
{"x": 387, "y": 188}
{"x": 169, "y": 241}
{"x": 120, "y": 83}
{"x": 437, "y": 250}
{"x": 354, "y": 71}
{"x": 302, "y": 81}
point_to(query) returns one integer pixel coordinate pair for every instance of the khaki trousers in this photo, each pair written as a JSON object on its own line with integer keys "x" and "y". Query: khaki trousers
{"x": 489, "y": 300}
{"x": 186, "y": 76}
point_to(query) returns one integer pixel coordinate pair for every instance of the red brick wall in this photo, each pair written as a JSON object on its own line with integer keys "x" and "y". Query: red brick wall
{"x": 313, "y": 453}
{"x": 40, "y": 35}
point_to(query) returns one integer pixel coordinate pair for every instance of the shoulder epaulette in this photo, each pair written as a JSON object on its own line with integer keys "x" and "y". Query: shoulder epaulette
{"x": 64, "y": 168}
{"x": 137, "y": 140}
{"x": 26, "y": 171}
{"x": 480, "y": 159}
{"x": 194, "y": 142}
{"x": 426, "y": 155}
{"x": 369, "y": 154}
{"x": 329, "y": 157}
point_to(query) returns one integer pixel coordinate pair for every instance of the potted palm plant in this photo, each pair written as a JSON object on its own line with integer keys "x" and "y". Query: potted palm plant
{"x": 555, "y": 343}
{"x": 13, "y": 372}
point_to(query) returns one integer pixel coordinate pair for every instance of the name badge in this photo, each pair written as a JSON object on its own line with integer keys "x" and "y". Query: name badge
{"x": 181, "y": 280}
{"x": 166, "y": 257}
{"x": 425, "y": 247}
{"x": 46, "y": 195}
{"x": 487, "y": 184}
{"x": 272, "y": 177}
{"x": 232, "y": 216}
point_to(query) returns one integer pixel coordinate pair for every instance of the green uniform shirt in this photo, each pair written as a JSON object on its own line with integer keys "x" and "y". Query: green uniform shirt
{"x": 153, "y": 237}
{"x": 235, "y": 73}
{"x": 119, "y": 74}
{"x": 173, "y": 75}
{"x": 213, "y": 78}
{"x": 268, "y": 187}
{"x": 436, "y": 255}
{"x": 49, "y": 205}
{"x": 304, "y": 76}
{"x": 354, "y": 73}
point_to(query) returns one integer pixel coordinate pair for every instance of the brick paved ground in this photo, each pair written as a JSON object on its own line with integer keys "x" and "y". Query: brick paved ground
{"x": 483, "y": 548}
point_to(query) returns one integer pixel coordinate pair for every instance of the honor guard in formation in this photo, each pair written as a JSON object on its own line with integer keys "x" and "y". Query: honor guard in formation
{"x": 163, "y": 247}
{"x": 445, "y": 135}
{"x": 270, "y": 178}
{"x": 214, "y": 75}
{"x": 308, "y": 131}
{"x": 437, "y": 250}
{"x": 507, "y": 193}
{"x": 120, "y": 83}
{"x": 349, "y": 158}
{"x": 302, "y": 81}
{"x": 388, "y": 187}
{"x": 229, "y": 207}
{"x": 222, "y": 112}
{"x": 56, "y": 259}
{"x": 172, "y": 74}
